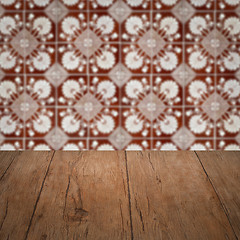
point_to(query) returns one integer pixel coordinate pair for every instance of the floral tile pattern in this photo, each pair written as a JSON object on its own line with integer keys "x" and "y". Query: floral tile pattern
{"x": 120, "y": 74}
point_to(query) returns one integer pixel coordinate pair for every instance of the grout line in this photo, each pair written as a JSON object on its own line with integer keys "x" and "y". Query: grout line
{"x": 118, "y": 42}
{"x": 56, "y": 61}
{"x": 135, "y": 10}
{"x": 63, "y": 107}
{"x": 185, "y": 82}
{"x": 129, "y": 196}
{"x": 151, "y": 79}
{"x": 35, "y": 206}
{"x": 121, "y": 87}
{"x": 215, "y": 190}
{"x": 132, "y": 74}
{"x": 215, "y": 77}
{"x": 88, "y": 73}
{"x": 24, "y": 77}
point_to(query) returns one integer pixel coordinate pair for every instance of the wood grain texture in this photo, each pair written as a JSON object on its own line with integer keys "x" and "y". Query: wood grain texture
{"x": 172, "y": 198}
{"x": 84, "y": 197}
{"x": 6, "y": 159}
{"x": 19, "y": 191}
{"x": 223, "y": 170}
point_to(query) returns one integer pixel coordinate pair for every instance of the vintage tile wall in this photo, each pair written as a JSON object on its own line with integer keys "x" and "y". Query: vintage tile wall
{"x": 120, "y": 74}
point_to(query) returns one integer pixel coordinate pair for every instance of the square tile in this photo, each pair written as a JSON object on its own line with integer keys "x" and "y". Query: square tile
{"x": 72, "y": 122}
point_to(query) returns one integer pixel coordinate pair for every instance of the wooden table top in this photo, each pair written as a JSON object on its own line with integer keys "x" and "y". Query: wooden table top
{"x": 119, "y": 195}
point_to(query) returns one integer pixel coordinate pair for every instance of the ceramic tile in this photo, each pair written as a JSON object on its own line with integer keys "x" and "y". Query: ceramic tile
{"x": 72, "y": 122}
{"x": 12, "y": 121}
{"x": 168, "y": 123}
{"x": 119, "y": 74}
{"x": 200, "y": 121}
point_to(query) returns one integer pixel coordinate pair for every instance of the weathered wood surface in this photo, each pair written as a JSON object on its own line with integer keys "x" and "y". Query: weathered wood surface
{"x": 19, "y": 190}
{"x": 85, "y": 196}
{"x": 119, "y": 195}
{"x": 6, "y": 159}
{"x": 172, "y": 198}
{"x": 223, "y": 170}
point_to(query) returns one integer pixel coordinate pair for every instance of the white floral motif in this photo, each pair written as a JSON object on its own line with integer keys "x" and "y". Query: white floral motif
{"x": 198, "y": 147}
{"x": 7, "y": 147}
{"x": 197, "y": 88}
{"x": 232, "y": 87}
{"x": 169, "y": 2}
{"x": 41, "y": 3}
{"x": 41, "y": 147}
{"x": 169, "y": 125}
{"x": 198, "y": 3}
{"x": 134, "y": 147}
{"x": 7, "y": 125}
{"x": 70, "y": 147}
{"x": 169, "y": 61}
{"x": 7, "y": 25}
{"x": 70, "y": 124}
{"x": 106, "y": 24}
{"x": 197, "y": 124}
{"x": 105, "y": 3}
{"x": 134, "y": 25}
{"x": 232, "y": 2}
{"x": 105, "y": 124}
{"x": 42, "y": 25}
{"x": 169, "y": 88}
{"x": 7, "y": 2}
{"x": 232, "y": 124}
{"x": 70, "y": 88}
{"x": 134, "y": 88}
{"x": 42, "y": 124}
{"x": 133, "y": 124}
{"x": 232, "y": 24}
{"x": 70, "y": 61}
{"x": 42, "y": 61}
{"x": 168, "y": 147}
{"x": 7, "y": 61}
{"x": 106, "y": 60}
{"x": 7, "y": 89}
{"x": 232, "y": 61}
{"x": 70, "y": 2}
{"x": 70, "y": 25}
{"x": 232, "y": 147}
{"x": 42, "y": 88}
{"x": 107, "y": 89}
{"x": 197, "y": 25}
{"x": 170, "y": 25}
{"x": 197, "y": 60}
{"x": 133, "y": 60}
{"x": 105, "y": 147}
{"x": 134, "y": 3}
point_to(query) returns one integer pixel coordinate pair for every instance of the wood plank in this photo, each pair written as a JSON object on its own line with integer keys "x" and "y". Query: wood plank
{"x": 223, "y": 169}
{"x": 6, "y": 159}
{"x": 84, "y": 197}
{"x": 19, "y": 191}
{"x": 172, "y": 198}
